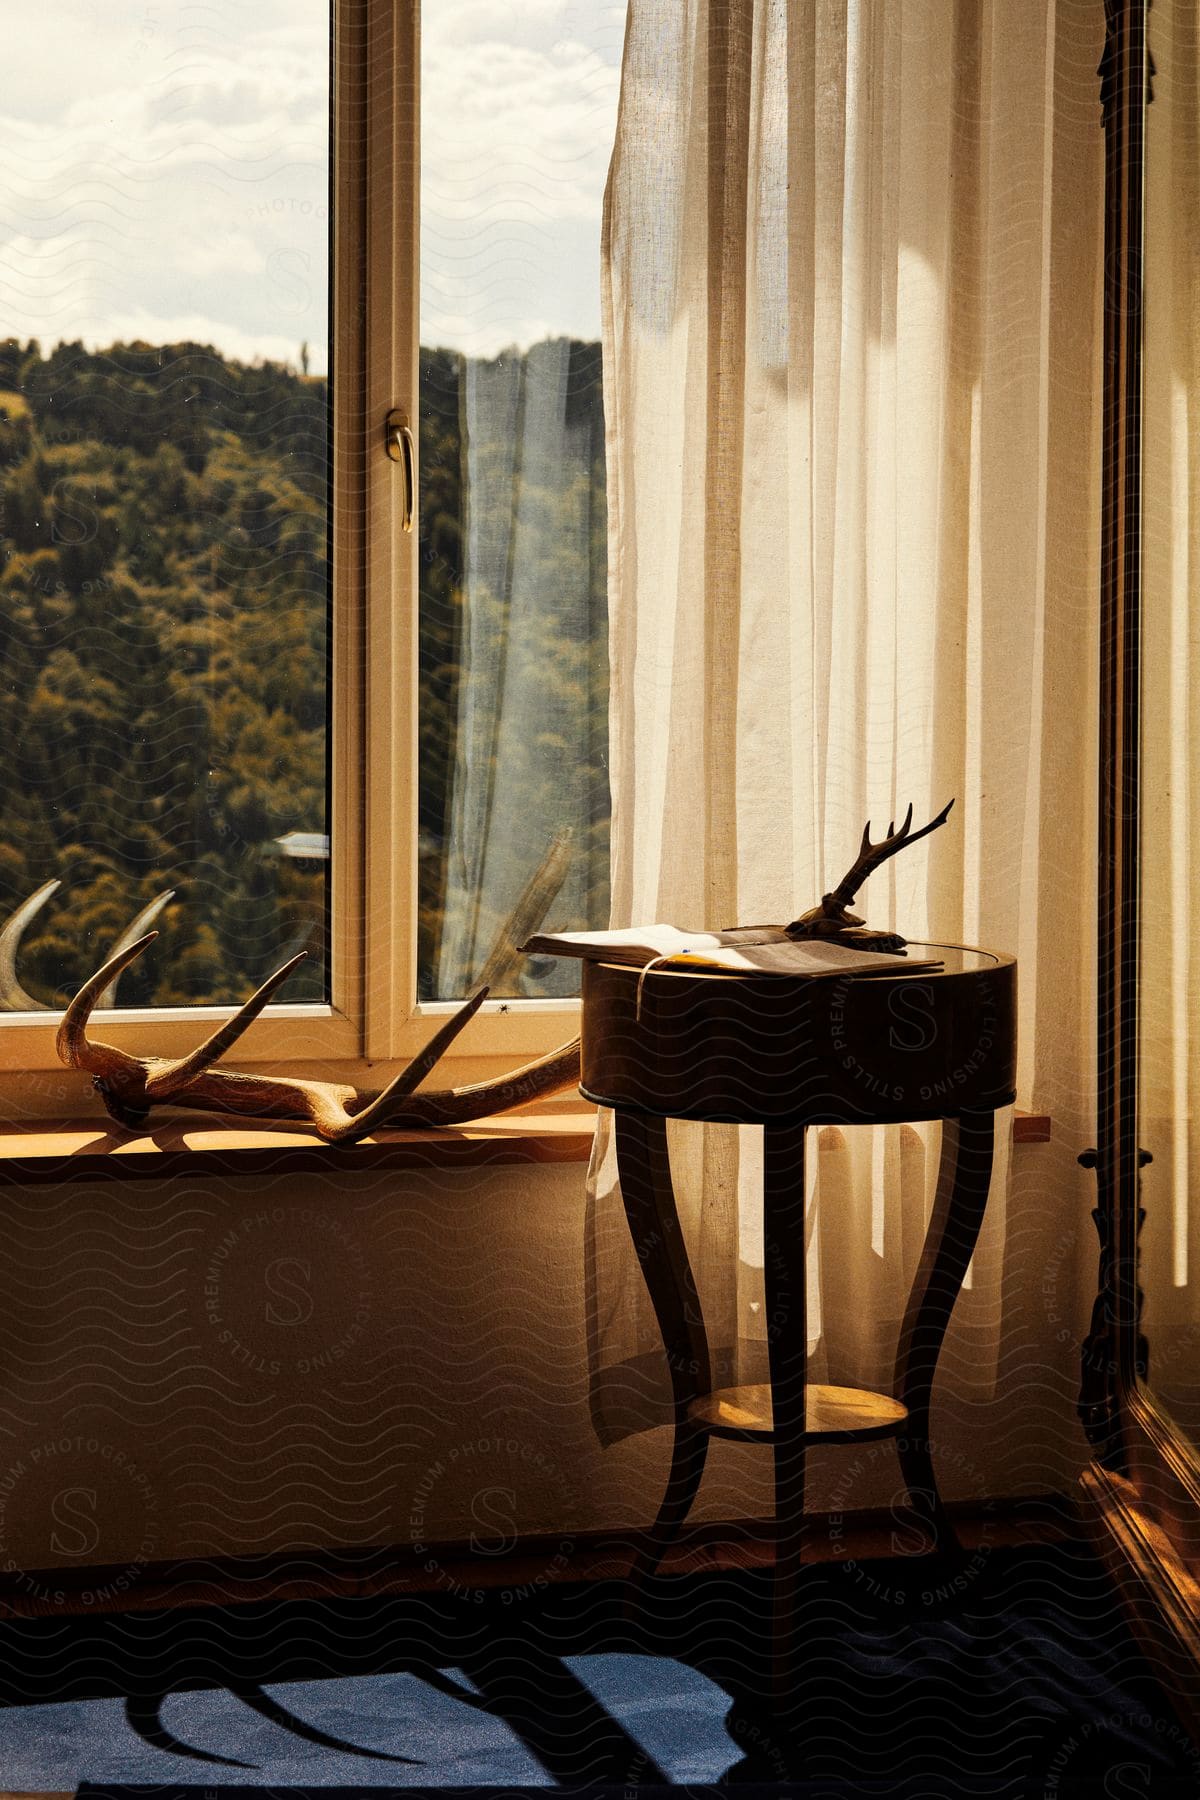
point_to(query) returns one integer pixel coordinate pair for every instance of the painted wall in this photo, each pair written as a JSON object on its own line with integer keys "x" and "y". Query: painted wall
{"x": 233, "y": 1367}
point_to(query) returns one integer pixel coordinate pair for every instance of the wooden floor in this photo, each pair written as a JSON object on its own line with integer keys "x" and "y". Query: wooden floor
{"x": 746, "y": 1544}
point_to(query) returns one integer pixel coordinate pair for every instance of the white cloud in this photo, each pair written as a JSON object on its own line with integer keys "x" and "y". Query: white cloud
{"x": 170, "y": 179}
{"x": 166, "y": 161}
{"x": 520, "y": 108}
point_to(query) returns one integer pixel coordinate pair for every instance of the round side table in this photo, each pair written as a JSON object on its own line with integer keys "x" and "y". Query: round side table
{"x": 891, "y": 1048}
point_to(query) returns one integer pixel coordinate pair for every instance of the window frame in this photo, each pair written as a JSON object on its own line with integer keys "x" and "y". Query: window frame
{"x": 374, "y": 1017}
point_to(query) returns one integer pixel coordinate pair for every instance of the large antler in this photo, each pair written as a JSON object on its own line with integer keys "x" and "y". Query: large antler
{"x": 131, "y": 1085}
{"x": 831, "y": 918}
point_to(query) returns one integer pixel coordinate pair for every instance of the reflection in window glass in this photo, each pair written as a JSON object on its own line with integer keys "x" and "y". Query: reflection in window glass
{"x": 164, "y": 421}
{"x": 519, "y": 113}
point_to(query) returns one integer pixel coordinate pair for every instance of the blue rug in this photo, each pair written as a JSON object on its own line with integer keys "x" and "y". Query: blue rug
{"x": 1015, "y": 1679}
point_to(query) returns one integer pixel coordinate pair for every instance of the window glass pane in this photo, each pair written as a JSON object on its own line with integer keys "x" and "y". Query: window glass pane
{"x": 164, "y": 424}
{"x": 519, "y": 113}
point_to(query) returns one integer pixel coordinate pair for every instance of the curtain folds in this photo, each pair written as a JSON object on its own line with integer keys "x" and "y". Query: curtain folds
{"x": 526, "y": 639}
{"x": 851, "y": 258}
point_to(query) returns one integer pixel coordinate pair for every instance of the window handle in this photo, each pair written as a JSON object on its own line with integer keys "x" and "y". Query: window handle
{"x": 402, "y": 448}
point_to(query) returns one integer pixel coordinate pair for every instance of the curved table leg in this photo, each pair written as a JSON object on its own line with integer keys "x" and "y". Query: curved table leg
{"x": 787, "y": 1348}
{"x": 644, "y": 1166}
{"x": 964, "y": 1176}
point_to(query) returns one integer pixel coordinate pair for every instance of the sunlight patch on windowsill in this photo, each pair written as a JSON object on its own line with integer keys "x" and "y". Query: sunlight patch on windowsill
{"x": 87, "y": 1149}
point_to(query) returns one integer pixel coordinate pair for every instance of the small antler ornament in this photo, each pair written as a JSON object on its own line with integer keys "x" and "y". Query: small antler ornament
{"x": 832, "y": 918}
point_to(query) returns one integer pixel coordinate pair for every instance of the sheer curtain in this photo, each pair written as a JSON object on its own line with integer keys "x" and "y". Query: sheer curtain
{"x": 522, "y": 816}
{"x": 851, "y": 265}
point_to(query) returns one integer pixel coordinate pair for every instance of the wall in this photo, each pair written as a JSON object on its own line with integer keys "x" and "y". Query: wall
{"x": 207, "y": 1369}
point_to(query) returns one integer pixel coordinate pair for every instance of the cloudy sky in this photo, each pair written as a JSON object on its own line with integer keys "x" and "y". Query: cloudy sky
{"x": 163, "y": 171}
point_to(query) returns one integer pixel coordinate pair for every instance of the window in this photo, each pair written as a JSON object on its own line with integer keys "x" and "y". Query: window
{"x": 230, "y": 676}
{"x": 518, "y": 118}
{"x": 164, "y": 472}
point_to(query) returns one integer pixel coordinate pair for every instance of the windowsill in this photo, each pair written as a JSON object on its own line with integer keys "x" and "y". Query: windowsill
{"x": 87, "y": 1150}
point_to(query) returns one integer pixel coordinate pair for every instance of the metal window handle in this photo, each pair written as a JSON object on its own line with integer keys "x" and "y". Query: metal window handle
{"x": 402, "y": 448}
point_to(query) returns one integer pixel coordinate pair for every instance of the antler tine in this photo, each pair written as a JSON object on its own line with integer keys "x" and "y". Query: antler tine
{"x": 74, "y": 1046}
{"x": 168, "y": 1080}
{"x": 377, "y": 1110}
{"x": 870, "y": 855}
{"x": 532, "y": 1081}
{"x": 137, "y": 928}
{"x": 932, "y": 825}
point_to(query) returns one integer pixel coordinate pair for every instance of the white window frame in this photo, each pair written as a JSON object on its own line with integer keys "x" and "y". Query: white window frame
{"x": 374, "y": 1019}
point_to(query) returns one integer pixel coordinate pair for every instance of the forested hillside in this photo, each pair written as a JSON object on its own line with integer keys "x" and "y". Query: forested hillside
{"x": 162, "y": 660}
{"x": 163, "y": 641}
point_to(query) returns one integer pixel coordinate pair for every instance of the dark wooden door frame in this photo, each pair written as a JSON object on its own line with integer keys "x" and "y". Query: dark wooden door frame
{"x": 1142, "y": 1488}
{"x": 1113, "y": 1355}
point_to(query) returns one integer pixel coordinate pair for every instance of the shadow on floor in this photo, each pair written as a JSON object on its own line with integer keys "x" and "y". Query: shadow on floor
{"x": 1008, "y": 1673}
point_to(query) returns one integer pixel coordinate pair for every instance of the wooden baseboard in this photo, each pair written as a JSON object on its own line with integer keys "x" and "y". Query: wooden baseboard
{"x": 534, "y": 1564}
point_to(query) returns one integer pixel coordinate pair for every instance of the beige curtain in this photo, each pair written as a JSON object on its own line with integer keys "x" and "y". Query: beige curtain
{"x": 1169, "y": 1126}
{"x": 851, "y": 268}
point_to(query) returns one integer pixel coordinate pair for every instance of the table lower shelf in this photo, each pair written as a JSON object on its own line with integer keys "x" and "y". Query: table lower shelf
{"x": 832, "y": 1415}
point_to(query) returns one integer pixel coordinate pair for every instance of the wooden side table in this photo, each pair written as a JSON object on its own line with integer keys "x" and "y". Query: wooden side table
{"x": 786, "y": 1054}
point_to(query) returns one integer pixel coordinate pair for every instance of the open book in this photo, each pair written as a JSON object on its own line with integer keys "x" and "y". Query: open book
{"x": 767, "y": 950}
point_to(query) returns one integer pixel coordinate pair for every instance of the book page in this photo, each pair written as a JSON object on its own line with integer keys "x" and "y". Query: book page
{"x": 640, "y": 944}
{"x": 805, "y": 956}
{"x": 668, "y": 946}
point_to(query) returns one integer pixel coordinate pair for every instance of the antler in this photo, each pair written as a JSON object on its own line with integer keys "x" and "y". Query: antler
{"x": 13, "y": 997}
{"x": 831, "y": 918}
{"x": 136, "y": 928}
{"x": 130, "y": 1085}
{"x": 871, "y": 855}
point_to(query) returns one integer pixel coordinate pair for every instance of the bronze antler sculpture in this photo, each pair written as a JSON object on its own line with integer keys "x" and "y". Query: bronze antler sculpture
{"x": 130, "y": 1085}
{"x": 832, "y": 919}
